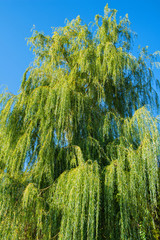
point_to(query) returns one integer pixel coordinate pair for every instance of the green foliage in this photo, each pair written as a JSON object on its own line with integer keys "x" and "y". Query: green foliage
{"x": 78, "y": 147}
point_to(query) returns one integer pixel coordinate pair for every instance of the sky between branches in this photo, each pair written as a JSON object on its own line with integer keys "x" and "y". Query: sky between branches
{"x": 18, "y": 17}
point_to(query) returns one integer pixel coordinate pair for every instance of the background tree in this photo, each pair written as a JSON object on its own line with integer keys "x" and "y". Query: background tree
{"x": 78, "y": 149}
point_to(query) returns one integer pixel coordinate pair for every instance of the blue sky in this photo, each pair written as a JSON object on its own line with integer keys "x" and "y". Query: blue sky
{"x": 17, "y": 18}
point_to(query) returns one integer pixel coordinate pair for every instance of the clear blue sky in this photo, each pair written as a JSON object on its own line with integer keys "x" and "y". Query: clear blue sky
{"x": 17, "y": 18}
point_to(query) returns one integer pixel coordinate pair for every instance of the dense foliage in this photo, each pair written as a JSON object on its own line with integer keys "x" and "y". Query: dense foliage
{"x": 78, "y": 147}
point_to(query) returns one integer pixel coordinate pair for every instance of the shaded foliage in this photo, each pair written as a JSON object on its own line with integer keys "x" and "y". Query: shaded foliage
{"x": 78, "y": 147}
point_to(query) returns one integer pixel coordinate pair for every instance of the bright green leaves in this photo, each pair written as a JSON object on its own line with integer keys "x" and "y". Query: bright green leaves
{"x": 30, "y": 193}
{"x": 131, "y": 181}
{"x": 78, "y": 197}
{"x": 78, "y": 156}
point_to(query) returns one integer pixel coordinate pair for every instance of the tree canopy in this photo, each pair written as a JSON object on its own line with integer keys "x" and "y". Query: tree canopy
{"x": 78, "y": 146}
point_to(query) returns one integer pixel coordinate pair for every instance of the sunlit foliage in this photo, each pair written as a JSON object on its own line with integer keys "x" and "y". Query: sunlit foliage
{"x": 78, "y": 147}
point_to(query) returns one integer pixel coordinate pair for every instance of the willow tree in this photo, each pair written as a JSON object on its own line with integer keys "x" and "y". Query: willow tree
{"x": 78, "y": 147}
